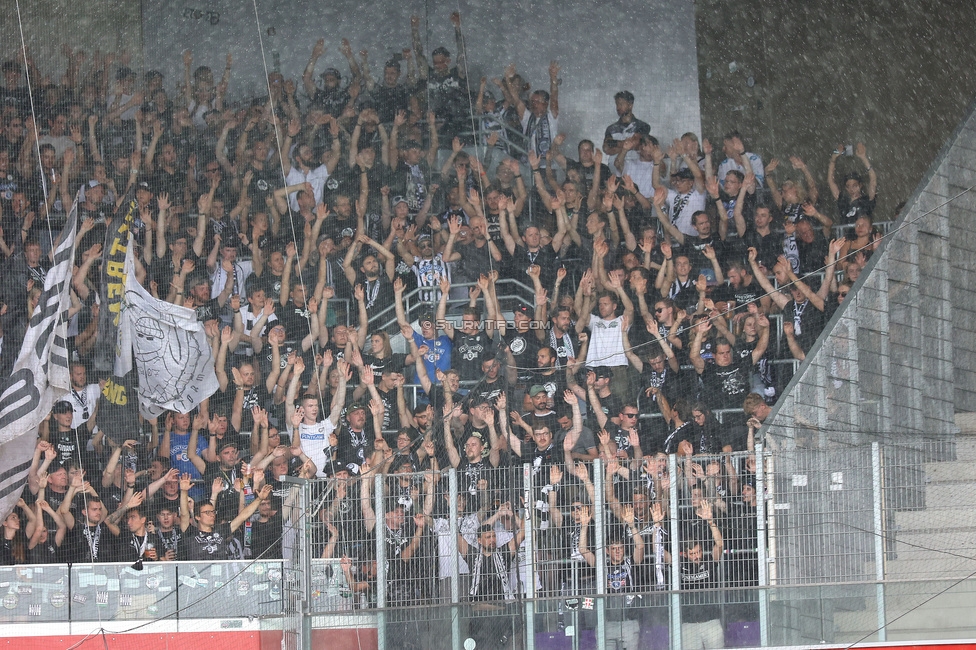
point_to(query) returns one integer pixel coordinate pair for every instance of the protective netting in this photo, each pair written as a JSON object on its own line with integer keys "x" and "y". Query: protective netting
{"x": 375, "y": 267}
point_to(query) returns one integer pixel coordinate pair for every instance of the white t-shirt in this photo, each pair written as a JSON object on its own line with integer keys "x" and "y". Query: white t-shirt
{"x": 316, "y": 177}
{"x": 242, "y": 269}
{"x": 686, "y": 205}
{"x": 81, "y": 401}
{"x": 755, "y": 162}
{"x": 249, "y": 318}
{"x": 642, "y": 173}
{"x": 606, "y": 342}
{"x": 315, "y": 440}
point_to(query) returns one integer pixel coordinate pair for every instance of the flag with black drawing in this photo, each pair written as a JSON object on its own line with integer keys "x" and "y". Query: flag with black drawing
{"x": 173, "y": 358}
{"x": 40, "y": 376}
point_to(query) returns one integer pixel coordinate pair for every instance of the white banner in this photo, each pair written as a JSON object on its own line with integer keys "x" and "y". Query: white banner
{"x": 172, "y": 356}
{"x": 40, "y": 376}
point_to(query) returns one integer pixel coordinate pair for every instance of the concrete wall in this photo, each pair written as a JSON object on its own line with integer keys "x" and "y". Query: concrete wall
{"x": 896, "y": 74}
{"x": 897, "y": 357}
{"x": 108, "y": 25}
{"x": 648, "y": 48}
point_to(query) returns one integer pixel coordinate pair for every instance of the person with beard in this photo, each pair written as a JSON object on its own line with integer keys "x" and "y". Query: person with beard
{"x": 476, "y": 465}
{"x": 480, "y": 256}
{"x": 377, "y": 283}
{"x": 331, "y": 97}
{"x": 470, "y": 346}
{"x": 701, "y": 608}
{"x": 297, "y": 165}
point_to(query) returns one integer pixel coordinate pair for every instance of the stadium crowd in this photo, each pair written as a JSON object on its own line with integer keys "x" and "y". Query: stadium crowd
{"x": 292, "y": 223}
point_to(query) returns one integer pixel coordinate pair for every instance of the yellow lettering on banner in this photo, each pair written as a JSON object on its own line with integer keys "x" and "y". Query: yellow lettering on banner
{"x": 115, "y": 289}
{"x": 115, "y": 393}
{"x": 118, "y": 248}
{"x": 115, "y": 269}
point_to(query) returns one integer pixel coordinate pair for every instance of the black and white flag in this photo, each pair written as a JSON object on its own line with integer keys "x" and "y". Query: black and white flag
{"x": 40, "y": 376}
{"x": 173, "y": 358}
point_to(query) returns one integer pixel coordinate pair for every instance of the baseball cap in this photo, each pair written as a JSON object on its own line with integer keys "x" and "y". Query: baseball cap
{"x": 62, "y": 407}
{"x": 144, "y": 185}
{"x": 225, "y": 444}
{"x": 535, "y": 390}
{"x": 426, "y": 316}
{"x": 522, "y": 308}
{"x": 331, "y": 71}
{"x": 347, "y": 232}
{"x": 683, "y": 173}
{"x": 397, "y": 200}
{"x": 355, "y": 406}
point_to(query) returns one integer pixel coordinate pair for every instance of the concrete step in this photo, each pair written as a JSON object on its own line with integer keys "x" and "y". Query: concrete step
{"x": 949, "y": 613}
{"x": 966, "y": 423}
{"x": 943, "y": 519}
{"x": 961, "y": 541}
{"x": 953, "y": 471}
{"x": 924, "y": 565}
{"x": 966, "y": 447}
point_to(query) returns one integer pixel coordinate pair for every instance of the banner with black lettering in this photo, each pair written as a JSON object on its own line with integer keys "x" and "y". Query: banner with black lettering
{"x": 40, "y": 376}
{"x": 111, "y": 288}
{"x": 173, "y": 359}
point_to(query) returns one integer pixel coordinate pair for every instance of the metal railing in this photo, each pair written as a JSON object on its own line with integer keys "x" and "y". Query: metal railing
{"x": 823, "y": 555}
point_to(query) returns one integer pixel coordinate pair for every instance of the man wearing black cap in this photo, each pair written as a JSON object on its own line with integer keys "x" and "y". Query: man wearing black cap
{"x": 227, "y": 268}
{"x": 521, "y": 342}
{"x": 411, "y": 165}
{"x": 686, "y": 197}
{"x": 69, "y": 443}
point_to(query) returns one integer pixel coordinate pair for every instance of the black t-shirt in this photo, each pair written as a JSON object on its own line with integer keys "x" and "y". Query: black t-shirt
{"x": 66, "y": 443}
{"x": 469, "y": 351}
{"x": 809, "y": 319}
{"x": 545, "y": 258}
{"x": 264, "y": 540}
{"x": 768, "y": 247}
{"x": 485, "y": 574}
{"x": 132, "y": 546}
{"x": 724, "y": 387}
{"x": 700, "y": 596}
{"x": 525, "y": 350}
{"x": 848, "y": 211}
{"x": 91, "y": 543}
{"x": 198, "y": 545}
{"x": 812, "y": 255}
{"x": 619, "y": 131}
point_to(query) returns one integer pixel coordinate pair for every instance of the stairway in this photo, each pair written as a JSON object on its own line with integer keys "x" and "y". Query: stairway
{"x": 930, "y": 549}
